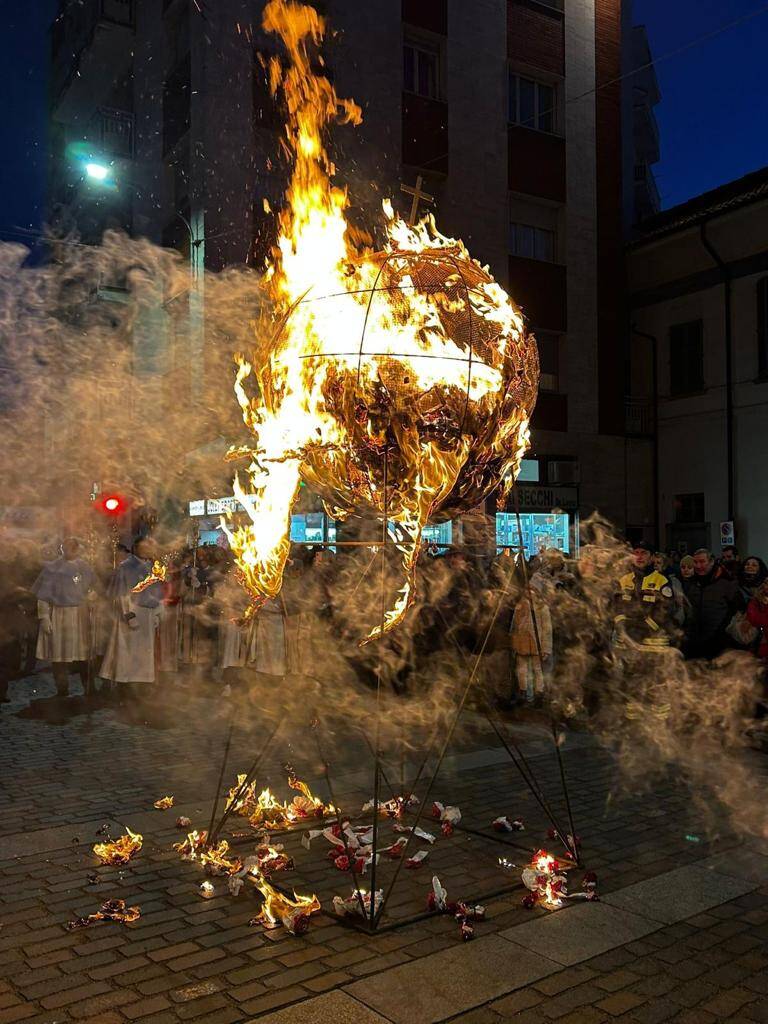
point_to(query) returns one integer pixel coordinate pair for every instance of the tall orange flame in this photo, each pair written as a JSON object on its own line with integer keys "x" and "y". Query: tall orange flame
{"x": 361, "y": 385}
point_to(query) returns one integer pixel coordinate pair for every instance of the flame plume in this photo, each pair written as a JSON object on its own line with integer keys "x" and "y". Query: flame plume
{"x": 396, "y": 383}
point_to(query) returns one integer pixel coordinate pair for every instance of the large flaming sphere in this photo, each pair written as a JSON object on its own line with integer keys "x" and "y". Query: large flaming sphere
{"x": 467, "y": 407}
{"x": 396, "y": 383}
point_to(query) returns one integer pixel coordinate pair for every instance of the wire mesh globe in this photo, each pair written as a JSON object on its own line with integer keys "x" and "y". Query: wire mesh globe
{"x": 461, "y": 386}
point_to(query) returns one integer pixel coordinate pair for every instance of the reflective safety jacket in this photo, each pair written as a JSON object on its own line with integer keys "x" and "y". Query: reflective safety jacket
{"x": 644, "y": 608}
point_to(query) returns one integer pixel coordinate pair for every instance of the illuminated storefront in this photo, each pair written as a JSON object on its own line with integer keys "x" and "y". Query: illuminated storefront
{"x": 548, "y": 519}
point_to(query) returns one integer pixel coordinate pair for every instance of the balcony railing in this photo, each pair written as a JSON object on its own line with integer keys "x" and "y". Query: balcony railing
{"x": 113, "y": 130}
{"x": 639, "y": 417}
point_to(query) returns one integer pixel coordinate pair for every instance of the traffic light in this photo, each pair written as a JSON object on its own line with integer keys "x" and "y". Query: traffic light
{"x": 111, "y": 504}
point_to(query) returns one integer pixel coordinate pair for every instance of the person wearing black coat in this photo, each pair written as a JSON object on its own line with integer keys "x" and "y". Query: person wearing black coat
{"x": 715, "y": 597}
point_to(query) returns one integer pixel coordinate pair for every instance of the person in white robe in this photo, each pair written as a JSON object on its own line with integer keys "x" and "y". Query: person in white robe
{"x": 235, "y": 635}
{"x": 130, "y": 656}
{"x": 62, "y": 590}
{"x": 268, "y": 653}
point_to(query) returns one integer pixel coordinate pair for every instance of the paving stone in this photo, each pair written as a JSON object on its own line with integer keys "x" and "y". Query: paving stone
{"x": 620, "y": 1002}
{"x": 579, "y": 932}
{"x": 679, "y": 894}
{"x": 514, "y": 1003}
{"x": 453, "y": 980}
{"x": 338, "y": 1007}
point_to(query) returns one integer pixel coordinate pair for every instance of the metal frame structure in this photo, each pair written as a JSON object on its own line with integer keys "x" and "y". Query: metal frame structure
{"x": 371, "y": 919}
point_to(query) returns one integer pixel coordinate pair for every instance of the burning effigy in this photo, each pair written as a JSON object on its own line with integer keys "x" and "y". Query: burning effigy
{"x": 396, "y": 383}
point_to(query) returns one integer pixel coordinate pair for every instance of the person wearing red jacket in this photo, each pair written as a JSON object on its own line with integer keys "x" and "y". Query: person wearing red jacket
{"x": 757, "y": 613}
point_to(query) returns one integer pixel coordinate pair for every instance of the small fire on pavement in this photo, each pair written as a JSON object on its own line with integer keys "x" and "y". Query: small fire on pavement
{"x": 121, "y": 850}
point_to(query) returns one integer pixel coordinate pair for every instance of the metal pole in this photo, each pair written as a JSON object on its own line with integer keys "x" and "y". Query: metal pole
{"x": 224, "y": 760}
{"x": 379, "y": 669}
{"x": 534, "y": 622}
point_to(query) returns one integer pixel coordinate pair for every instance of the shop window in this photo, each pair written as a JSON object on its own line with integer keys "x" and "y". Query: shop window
{"x": 530, "y": 471}
{"x": 312, "y": 528}
{"x": 540, "y": 531}
{"x": 686, "y": 358}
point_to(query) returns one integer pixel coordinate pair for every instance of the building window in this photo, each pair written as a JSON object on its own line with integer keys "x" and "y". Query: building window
{"x": 549, "y": 359}
{"x": 689, "y": 508}
{"x": 177, "y": 92}
{"x": 686, "y": 358}
{"x": 762, "y": 327}
{"x": 531, "y": 103}
{"x": 531, "y": 242}
{"x": 421, "y": 69}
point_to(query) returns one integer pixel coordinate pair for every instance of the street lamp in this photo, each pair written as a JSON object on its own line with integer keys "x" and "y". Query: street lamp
{"x": 98, "y": 172}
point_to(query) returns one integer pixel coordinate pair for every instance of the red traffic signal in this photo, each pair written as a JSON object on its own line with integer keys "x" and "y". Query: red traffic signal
{"x": 112, "y": 504}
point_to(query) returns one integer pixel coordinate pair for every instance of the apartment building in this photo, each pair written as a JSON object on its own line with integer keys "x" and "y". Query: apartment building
{"x": 509, "y": 110}
{"x": 698, "y": 276}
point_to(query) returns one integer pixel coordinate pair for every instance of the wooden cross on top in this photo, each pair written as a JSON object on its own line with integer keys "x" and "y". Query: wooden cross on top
{"x": 417, "y": 196}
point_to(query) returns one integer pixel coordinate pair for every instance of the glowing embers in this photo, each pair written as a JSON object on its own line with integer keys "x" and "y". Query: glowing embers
{"x": 157, "y": 574}
{"x": 409, "y": 367}
{"x": 279, "y": 909}
{"x": 265, "y": 810}
{"x": 120, "y": 850}
{"x": 111, "y": 910}
{"x": 545, "y": 879}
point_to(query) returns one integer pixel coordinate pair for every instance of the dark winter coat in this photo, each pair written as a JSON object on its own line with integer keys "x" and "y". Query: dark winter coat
{"x": 714, "y": 599}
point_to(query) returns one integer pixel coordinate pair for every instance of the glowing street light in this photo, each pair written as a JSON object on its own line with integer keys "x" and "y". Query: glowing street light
{"x": 98, "y": 172}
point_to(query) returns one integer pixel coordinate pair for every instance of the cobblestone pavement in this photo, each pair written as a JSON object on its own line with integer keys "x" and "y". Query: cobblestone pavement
{"x": 680, "y": 934}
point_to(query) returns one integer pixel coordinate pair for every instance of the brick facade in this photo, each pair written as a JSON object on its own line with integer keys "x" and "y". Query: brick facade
{"x": 610, "y": 262}
{"x": 535, "y": 36}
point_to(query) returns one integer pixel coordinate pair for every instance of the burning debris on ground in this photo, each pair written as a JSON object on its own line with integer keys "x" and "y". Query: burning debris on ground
{"x": 111, "y": 910}
{"x": 119, "y": 851}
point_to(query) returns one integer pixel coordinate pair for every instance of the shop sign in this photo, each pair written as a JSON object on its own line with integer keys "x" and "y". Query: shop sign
{"x": 545, "y": 499}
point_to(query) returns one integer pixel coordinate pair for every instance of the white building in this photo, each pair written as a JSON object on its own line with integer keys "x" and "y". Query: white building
{"x": 699, "y": 293}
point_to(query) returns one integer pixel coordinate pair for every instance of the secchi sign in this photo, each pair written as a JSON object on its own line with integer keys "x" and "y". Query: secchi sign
{"x": 548, "y": 498}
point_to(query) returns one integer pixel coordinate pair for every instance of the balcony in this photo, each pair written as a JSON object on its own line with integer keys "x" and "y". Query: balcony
{"x": 90, "y": 50}
{"x": 113, "y": 132}
{"x": 536, "y": 163}
{"x": 425, "y": 133}
{"x": 639, "y": 417}
{"x": 539, "y": 288}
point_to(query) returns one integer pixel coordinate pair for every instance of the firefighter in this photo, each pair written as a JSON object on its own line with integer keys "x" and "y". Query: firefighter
{"x": 644, "y": 604}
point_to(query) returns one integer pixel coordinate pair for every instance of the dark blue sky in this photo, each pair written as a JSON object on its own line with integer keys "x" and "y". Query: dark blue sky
{"x": 23, "y": 118}
{"x": 712, "y": 116}
{"x": 714, "y": 105}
